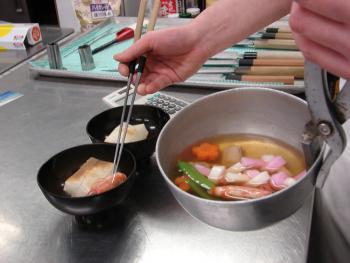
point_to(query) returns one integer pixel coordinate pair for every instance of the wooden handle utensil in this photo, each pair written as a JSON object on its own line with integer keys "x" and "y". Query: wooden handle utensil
{"x": 297, "y": 72}
{"x": 287, "y": 80}
{"x": 286, "y": 44}
{"x": 271, "y": 62}
{"x": 276, "y": 54}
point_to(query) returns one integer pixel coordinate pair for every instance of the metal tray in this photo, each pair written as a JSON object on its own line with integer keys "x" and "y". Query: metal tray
{"x": 40, "y": 64}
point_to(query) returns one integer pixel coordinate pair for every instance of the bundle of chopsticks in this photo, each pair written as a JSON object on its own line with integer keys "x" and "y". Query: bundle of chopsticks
{"x": 135, "y": 67}
{"x": 276, "y": 59}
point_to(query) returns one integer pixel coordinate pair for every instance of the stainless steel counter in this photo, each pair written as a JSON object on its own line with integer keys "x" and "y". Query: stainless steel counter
{"x": 149, "y": 227}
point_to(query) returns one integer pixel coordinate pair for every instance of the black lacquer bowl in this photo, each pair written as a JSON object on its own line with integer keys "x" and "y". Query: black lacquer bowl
{"x": 154, "y": 119}
{"x": 57, "y": 169}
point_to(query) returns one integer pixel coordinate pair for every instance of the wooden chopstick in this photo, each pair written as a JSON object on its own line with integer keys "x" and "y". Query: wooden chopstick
{"x": 287, "y": 44}
{"x": 297, "y": 72}
{"x": 140, "y": 19}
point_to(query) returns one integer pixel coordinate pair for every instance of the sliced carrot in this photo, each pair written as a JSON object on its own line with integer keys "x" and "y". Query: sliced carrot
{"x": 206, "y": 152}
{"x": 180, "y": 180}
{"x": 184, "y": 186}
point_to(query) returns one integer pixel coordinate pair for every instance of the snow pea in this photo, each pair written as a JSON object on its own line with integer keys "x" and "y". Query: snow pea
{"x": 196, "y": 176}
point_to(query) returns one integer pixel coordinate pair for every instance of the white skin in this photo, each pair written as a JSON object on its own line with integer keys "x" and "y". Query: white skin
{"x": 321, "y": 29}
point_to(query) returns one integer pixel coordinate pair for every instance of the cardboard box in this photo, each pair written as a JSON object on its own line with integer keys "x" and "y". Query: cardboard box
{"x": 18, "y": 36}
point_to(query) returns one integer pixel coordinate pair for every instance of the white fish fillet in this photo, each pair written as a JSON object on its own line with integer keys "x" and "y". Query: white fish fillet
{"x": 135, "y": 133}
{"x": 81, "y": 182}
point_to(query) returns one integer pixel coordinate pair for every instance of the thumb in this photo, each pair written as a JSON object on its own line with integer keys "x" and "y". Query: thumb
{"x": 139, "y": 48}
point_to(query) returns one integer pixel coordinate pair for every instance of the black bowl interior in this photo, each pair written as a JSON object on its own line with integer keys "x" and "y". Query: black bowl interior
{"x": 154, "y": 119}
{"x": 57, "y": 169}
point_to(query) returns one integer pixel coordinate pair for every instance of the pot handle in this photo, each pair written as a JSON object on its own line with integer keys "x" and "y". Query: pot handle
{"x": 327, "y": 115}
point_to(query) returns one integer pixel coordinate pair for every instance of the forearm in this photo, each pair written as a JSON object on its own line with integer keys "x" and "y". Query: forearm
{"x": 229, "y": 21}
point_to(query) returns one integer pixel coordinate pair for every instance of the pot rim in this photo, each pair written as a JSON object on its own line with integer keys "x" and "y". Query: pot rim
{"x": 229, "y": 202}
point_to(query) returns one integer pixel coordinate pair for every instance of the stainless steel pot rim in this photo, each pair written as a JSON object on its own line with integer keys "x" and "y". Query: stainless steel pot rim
{"x": 237, "y": 202}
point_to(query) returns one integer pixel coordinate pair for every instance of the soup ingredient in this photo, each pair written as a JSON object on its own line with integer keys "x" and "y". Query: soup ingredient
{"x": 289, "y": 181}
{"x": 278, "y": 179}
{"x": 184, "y": 186}
{"x": 216, "y": 173}
{"x": 231, "y": 155}
{"x": 264, "y": 166}
{"x": 275, "y": 163}
{"x": 250, "y": 163}
{"x": 235, "y": 192}
{"x": 261, "y": 178}
{"x": 235, "y": 178}
{"x": 206, "y": 152}
{"x": 202, "y": 169}
{"x": 194, "y": 175}
{"x": 134, "y": 133}
{"x": 180, "y": 180}
{"x": 285, "y": 170}
{"x": 104, "y": 184}
{"x": 237, "y": 168}
{"x": 267, "y": 187}
{"x": 267, "y": 157}
{"x": 93, "y": 177}
{"x": 252, "y": 173}
{"x": 198, "y": 190}
{"x": 182, "y": 183}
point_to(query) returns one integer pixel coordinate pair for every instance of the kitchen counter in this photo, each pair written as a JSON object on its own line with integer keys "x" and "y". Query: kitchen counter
{"x": 149, "y": 227}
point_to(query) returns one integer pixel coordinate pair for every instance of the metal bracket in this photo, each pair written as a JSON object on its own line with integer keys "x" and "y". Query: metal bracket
{"x": 327, "y": 116}
{"x": 342, "y": 103}
{"x": 311, "y": 143}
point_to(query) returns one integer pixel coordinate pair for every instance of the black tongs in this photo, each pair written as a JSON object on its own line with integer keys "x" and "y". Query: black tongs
{"x": 328, "y": 112}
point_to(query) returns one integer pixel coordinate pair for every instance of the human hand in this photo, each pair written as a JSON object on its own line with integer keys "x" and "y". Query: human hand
{"x": 172, "y": 56}
{"x": 321, "y": 30}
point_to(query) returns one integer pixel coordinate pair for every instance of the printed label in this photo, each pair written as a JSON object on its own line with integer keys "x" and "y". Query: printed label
{"x": 36, "y": 34}
{"x": 99, "y": 11}
{"x": 167, "y": 7}
{"x": 172, "y": 6}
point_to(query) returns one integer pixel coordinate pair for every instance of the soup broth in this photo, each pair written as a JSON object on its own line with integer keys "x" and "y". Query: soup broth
{"x": 237, "y": 167}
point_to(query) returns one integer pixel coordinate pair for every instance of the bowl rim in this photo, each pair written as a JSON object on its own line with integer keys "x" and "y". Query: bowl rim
{"x": 118, "y": 107}
{"x": 43, "y": 189}
{"x": 230, "y": 202}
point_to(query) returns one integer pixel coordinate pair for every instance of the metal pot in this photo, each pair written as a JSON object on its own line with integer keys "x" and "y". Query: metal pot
{"x": 248, "y": 110}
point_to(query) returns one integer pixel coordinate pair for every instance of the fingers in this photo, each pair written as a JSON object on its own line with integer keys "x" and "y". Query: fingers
{"x": 328, "y": 59}
{"x": 123, "y": 69}
{"x": 338, "y": 10}
{"x": 153, "y": 83}
{"x": 139, "y": 48}
{"x": 142, "y": 89}
{"x": 319, "y": 29}
{"x": 322, "y": 40}
{"x": 159, "y": 82}
{"x": 136, "y": 50}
